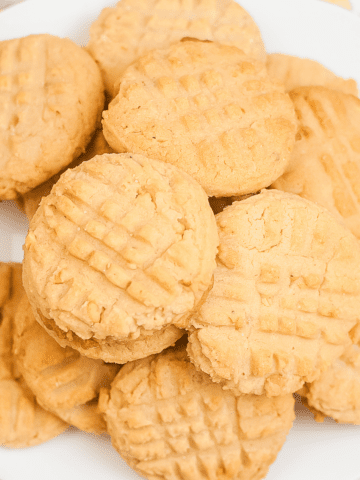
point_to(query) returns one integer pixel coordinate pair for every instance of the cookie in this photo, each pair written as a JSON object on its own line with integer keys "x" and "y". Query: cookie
{"x": 208, "y": 109}
{"x": 51, "y": 98}
{"x": 62, "y": 381}
{"x": 297, "y": 72}
{"x": 336, "y": 393}
{"x": 122, "y": 248}
{"x": 170, "y": 422}
{"x": 286, "y": 294}
{"x": 23, "y": 423}
{"x": 325, "y": 163}
{"x": 30, "y": 202}
{"x": 132, "y": 29}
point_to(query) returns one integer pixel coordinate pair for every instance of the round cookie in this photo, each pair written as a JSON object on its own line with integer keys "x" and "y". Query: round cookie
{"x": 30, "y": 202}
{"x": 336, "y": 393}
{"x": 325, "y": 163}
{"x": 169, "y": 422}
{"x": 210, "y": 110}
{"x": 132, "y": 29}
{"x": 23, "y": 423}
{"x": 62, "y": 381}
{"x": 51, "y": 98}
{"x": 286, "y": 295}
{"x": 122, "y": 248}
{"x": 297, "y": 72}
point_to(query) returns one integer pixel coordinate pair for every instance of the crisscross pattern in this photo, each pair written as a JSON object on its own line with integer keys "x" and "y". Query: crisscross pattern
{"x": 51, "y": 97}
{"x": 133, "y": 28}
{"x": 286, "y": 294}
{"x": 170, "y": 422}
{"x": 122, "y": 245}
{"x": 325, "y": 163}
{"x": 210, "y": 110}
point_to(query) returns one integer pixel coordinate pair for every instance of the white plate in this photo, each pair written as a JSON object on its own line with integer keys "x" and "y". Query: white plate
{"x": 308, "y": 28}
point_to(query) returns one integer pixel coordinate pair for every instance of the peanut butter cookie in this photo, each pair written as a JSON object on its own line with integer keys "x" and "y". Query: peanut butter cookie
{"x": 325, "y": 163}
{"x": 210, "y": 110}
{"x": 286, "y": 294}
{"x": 297, "y": 72}
{"x": 170, "y": 422}
{"x": 23, "y": 423}
{"x": 51, "y": 98}
{"x": 132, "y": 29}
{"x": 123, "y": 248}
{"x": 62, "y": 381}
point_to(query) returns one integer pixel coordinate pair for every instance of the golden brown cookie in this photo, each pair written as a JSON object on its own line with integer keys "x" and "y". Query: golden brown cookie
{"x": 132, "y": 29}
{"x": 297, "y": 72}
{"x": 51, "y": 98}
{"x": 325, "y": 163}
{"x": 208, "y": 109}
{"x": 31, "y": 200}
{"x": 286, "y": 294}
{"x": 170, "y": 422}
{"x": 62, "y": 381}
{"x": 336, "y": 393}
{"x": 122, "y": 248}
{"x": 23, "y": 423}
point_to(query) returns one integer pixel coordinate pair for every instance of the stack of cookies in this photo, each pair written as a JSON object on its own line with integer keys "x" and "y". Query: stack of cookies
{"x": 204, "y": 234}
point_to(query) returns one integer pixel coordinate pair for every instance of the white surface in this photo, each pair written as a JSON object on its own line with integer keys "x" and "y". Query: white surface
{"x": 309, "y": 28}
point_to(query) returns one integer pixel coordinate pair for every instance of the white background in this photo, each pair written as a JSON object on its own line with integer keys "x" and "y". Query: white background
{"x": 308, "y": 28}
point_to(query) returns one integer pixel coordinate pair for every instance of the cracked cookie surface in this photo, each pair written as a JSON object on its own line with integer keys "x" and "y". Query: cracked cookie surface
{"x": 124, "y": 247}
{"x": 286, "y": 295}
{"x": 132, "y": 29}
{"x": 325, "y": 162}
{"x": 208, "y": 109}
{"x": 51, "y": 98}
{"x": 170, "y": 422}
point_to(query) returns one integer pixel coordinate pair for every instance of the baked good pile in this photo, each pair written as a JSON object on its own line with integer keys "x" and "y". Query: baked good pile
{"x": 193, "y": 256}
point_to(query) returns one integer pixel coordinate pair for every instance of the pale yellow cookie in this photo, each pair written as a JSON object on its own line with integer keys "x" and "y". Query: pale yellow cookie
{"x": 336, "y": 393}
{"x": 23, "y": 423}
{"x": 325, "y": 163}
{"x": 122, "y": 249}
{"x": 297, "y": 72}
{"x": 51, "y": 98}
{"x": 286, "y": 294}
{"x": 210, "y": 110}
{"x": 170, "y": 422}
{"x": 62, "y": 381}
{"x": 135, "y": 27}
{"x": 30, "y": 202}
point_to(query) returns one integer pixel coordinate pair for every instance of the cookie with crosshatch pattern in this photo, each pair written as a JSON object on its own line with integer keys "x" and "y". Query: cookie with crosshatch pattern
{"x": 23, "y": 423}
{"x": 286, "y": 295}
{"x": 122, "y": 250}
{"x": 210, "y": 110}
{"x": 133, "y": 28}
{"x": 170, "y": 422}
{"x": 336, "y": 393}
{"x": 51, "y": 98}
{"x": 297, "y": 72}
{"x": 62, "y": 381}
{"x": 325, "y": 163}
